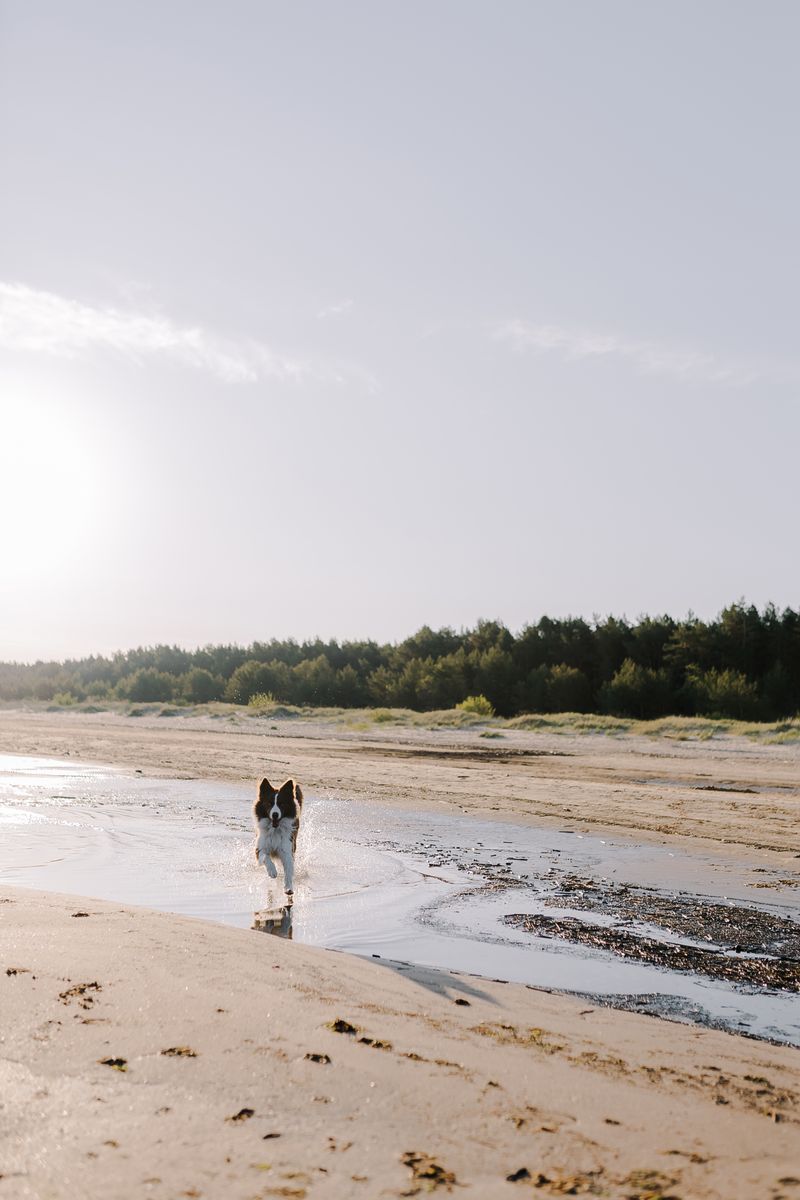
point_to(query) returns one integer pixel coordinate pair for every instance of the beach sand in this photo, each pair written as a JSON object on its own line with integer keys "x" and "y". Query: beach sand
{"x": 434, "y": 1081}
{"x": 604, "y": 1102}
{"x": 729, "y": 790}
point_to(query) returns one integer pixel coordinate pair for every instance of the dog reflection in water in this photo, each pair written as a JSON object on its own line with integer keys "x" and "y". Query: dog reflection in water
{"x": 274, "y": 920}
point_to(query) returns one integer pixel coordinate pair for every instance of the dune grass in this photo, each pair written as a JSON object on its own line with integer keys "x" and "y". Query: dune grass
{"x": 367, "y": 720}
{"x": 570, "y": 723}
{"x": 675, "y": 728}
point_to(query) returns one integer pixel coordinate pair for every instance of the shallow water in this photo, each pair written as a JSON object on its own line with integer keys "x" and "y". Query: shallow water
{"x": 417, "y": 887}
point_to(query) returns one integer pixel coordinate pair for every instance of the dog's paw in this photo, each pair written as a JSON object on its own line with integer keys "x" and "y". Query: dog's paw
{"x": 289, "y": 891}
{"x": 272, "y": 870}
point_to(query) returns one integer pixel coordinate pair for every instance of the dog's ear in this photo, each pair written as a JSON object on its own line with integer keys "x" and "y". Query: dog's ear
{"x": 287, "y": 787}
{"x": 265, "y": 789}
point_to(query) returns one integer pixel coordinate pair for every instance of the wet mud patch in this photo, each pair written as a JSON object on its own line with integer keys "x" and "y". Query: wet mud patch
{"x": 773, "y": 973}
{"x": 734, "y": 943}
{"x": 737, "y": 928}
{"x": 485, "y": 754}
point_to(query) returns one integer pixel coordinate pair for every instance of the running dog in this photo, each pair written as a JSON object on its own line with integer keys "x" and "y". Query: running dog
{"x": 277, "y": 817}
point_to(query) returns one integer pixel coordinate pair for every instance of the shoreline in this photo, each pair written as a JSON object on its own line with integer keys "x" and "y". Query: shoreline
{"x": 745, "y": 797}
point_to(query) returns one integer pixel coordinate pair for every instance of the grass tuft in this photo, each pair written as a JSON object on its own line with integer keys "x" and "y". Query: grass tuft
{"x": 478, "y": 705}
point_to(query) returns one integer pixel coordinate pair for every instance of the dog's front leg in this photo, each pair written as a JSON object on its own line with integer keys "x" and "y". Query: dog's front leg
{"x": 287, "y": 858}
{"x": 262, "y": 854}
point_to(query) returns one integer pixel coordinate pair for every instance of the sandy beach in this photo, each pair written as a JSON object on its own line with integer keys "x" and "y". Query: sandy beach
{"x": 728, "y": 790}
{"x": 147, "y": 1054}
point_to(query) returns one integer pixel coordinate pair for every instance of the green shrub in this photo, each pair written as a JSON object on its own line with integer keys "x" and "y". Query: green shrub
{"x": 313, "y": 682}
{"x": 568, "y": 690}
{"x": 722, "y": 693}
{"x": 147, "y": 686}
{"x": 636, "y": 691}
{"x": 262, "y": 701}
{"x": 478, "y": 705}
{"x": 199, "y": 686}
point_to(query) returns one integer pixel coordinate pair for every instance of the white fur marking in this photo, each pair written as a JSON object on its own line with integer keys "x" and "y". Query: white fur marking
{"x": 277, "y": 840}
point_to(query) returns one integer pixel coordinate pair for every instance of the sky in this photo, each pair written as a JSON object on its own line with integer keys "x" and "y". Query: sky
{"x": 338, "y": 319}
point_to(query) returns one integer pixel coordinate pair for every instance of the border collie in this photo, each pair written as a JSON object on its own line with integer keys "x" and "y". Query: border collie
{"x": 277, "y": 817}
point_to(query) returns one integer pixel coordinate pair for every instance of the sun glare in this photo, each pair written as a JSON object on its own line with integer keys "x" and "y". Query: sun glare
{"x": 48, "y": 488}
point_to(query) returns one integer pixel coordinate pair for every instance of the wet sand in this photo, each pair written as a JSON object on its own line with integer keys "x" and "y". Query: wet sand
{"x": 691, "y": 936}
{"x": 728, "y": 790}
{"x": 422, "y": 1092}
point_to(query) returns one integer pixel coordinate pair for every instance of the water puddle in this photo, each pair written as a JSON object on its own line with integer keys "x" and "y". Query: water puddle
{"x": 636, "y": 926}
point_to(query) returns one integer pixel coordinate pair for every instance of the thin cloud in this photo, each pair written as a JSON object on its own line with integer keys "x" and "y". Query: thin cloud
{"x": 45, "y": 323}
{"x": 645, "y": 356}
{"x": 335, "y": 310}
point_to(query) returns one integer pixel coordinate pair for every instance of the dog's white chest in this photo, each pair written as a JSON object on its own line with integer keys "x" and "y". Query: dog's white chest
{"x": 279, "y": 839}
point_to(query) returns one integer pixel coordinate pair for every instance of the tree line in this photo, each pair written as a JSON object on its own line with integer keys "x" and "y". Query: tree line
{"x": 744, "y": 664}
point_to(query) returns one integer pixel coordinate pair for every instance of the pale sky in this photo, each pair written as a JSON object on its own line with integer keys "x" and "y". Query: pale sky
{"x": 335, "y": 318}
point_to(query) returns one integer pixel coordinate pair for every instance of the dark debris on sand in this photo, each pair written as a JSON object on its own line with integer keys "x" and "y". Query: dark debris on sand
{"x": 773, "y": 973}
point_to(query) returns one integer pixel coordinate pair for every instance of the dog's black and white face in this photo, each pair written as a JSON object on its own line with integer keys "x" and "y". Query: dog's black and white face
{"x": 276, "y": 803}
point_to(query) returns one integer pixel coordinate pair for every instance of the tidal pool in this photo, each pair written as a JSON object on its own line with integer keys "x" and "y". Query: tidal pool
{"x": 428, "y": 888}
